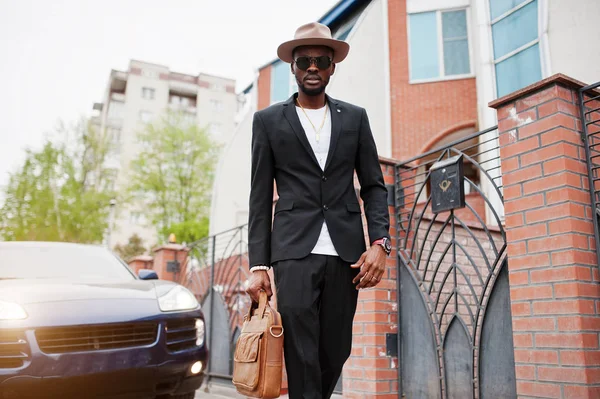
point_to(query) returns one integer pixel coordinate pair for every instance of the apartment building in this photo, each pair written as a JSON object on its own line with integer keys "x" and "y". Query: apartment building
{"x": 425, "y": 71}
{"x": 140, "y": 95}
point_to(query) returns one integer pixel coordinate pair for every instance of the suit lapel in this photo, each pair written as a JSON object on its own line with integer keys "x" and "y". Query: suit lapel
{"x": 289, "y": 111}
{"x": 336, "y": 127}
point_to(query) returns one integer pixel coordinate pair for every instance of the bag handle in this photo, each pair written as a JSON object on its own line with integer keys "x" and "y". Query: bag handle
{"x": 261, "y": 305}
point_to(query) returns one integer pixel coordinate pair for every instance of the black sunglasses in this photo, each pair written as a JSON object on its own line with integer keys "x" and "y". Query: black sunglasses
{"x": 322, "y": 62}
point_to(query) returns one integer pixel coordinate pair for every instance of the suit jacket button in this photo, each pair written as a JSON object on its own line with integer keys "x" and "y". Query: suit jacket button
{"x": 324, "y": 178}
{"x": 325, "y": 207}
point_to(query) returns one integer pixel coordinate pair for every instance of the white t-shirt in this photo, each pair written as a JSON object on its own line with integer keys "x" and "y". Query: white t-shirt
{"x": 324, "y": 245}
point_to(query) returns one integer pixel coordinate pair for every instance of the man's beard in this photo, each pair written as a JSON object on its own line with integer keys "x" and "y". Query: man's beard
{"x": 312, "y": 92}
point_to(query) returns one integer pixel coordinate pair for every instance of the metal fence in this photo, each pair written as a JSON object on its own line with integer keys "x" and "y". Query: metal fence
{"x": 452, "y": 273}
{"x": 589, "y": 105}
{"x": 217, "y": 274}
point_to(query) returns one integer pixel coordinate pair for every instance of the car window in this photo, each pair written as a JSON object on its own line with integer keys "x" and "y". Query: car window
{"x": 60, "y": 261}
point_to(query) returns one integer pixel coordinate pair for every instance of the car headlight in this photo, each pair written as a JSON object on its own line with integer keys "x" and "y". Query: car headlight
{"x": 11, "y": 311}
{"x": 199, "y": 332}
{"x": 178, "y": 298}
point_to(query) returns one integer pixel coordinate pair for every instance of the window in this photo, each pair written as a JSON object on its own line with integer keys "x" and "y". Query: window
{"x": 293, "y": 84}
{"x": 116, "y": 110}
{"x": 180, "y": 100}
{"x": 216, "y": 105}
{"x": 145, "y": 116}
{"x": 136, "y": 218}
{"x": 217, "y": 87}
{"x": 439, "y": 45}
{"x": 516, "y": 44}
{"x": 189, "y": 118}
{"x": 150, "y": 74}
{"x": 114, "y": 136}
{"x": 148, "y": 93}
{"x": 280, "y": 82}
{"x": 215, "y": 129}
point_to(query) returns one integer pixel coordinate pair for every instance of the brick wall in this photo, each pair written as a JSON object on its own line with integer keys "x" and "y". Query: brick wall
{"x": 421, "y": 111}
{"x": 140, "y": 262}
{"x": 369, "y": 372}
{"x": 168, "y": 253}
{"x": 554, "y": 287}
{"x": 264, "y": 88}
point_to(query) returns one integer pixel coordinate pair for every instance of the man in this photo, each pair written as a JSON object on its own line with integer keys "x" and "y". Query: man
{"x": 311, "y": 145}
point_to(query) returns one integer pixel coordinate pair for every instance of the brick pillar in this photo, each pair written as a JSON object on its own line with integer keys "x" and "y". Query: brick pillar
{"x": 168, "y": 253}
{"x": 554, "y": 286}
{"x": 369, "y": 373}
{"x": 140, "y": 262}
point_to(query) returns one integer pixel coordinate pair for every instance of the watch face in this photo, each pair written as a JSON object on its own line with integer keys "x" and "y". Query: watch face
{"x": 387, "y": 245}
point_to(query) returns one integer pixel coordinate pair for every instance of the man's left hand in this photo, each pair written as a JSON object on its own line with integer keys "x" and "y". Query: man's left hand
{"x": 372, "y": 267}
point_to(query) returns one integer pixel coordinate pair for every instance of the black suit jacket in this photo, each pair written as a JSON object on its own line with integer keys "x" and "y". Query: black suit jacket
{"x": 307, "y": 194}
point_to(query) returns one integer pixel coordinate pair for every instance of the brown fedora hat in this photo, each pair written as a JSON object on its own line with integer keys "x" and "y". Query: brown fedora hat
{"x": 313, "y": 34}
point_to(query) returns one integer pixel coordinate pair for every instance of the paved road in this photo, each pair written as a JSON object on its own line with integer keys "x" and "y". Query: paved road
{"x": 220, "y": 392}
{"x": 216, "y": 391}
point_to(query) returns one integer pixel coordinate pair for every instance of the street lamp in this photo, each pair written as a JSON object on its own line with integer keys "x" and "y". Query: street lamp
{"x": 111, "y": 219}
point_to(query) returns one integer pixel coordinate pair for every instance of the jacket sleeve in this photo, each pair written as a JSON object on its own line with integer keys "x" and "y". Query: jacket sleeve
{"x": 372, "y": 187}
{"x": 261, "y": 196}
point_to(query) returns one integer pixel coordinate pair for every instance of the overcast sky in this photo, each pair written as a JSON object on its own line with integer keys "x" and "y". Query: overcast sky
{"x": 55, "y": 56}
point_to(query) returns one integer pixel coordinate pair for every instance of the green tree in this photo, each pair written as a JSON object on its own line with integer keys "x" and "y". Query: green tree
{"x": 61, "y": 192}
{"x": 188, "y": 231}
{"x": 134, "y": 247}
{"x": 172, "y": 176}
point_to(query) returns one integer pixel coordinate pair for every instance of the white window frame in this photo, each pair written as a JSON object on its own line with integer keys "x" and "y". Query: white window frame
{"x": 440, "y": 39}
{"x": 151, "y": 93}
{"x": 496, "y": 61}
{"x": 217, "y": 105}
{"x": 523, "y": 47}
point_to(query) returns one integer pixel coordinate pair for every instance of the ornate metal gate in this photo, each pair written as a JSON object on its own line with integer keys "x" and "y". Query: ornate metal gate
{"x": 217, "y": 275}
{"x": 455, "y": 334}
{"x": 589, "y": 107}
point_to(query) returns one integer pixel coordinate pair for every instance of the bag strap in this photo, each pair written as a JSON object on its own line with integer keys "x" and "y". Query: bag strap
{"x": 261, "y": 305}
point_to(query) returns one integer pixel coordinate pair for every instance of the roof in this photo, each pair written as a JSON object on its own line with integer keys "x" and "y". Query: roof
{"x": 341, "y": 9}
{"x": 335, "y": 15}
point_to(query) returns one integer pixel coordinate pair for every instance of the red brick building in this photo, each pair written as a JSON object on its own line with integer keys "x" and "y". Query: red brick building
{"x": 431, "y": 74}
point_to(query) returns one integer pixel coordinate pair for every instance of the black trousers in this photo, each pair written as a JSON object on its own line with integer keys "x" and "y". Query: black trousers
{"x": 317, "y": 302}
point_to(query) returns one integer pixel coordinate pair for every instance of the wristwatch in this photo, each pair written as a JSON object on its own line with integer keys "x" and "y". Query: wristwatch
{"x": 385, "y": 244}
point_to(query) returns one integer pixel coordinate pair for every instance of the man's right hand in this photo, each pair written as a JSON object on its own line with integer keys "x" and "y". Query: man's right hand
{"x": 259, "y": 280}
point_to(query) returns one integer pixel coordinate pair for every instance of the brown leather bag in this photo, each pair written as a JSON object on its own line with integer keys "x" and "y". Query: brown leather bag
{"x": 258, "y": 356}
